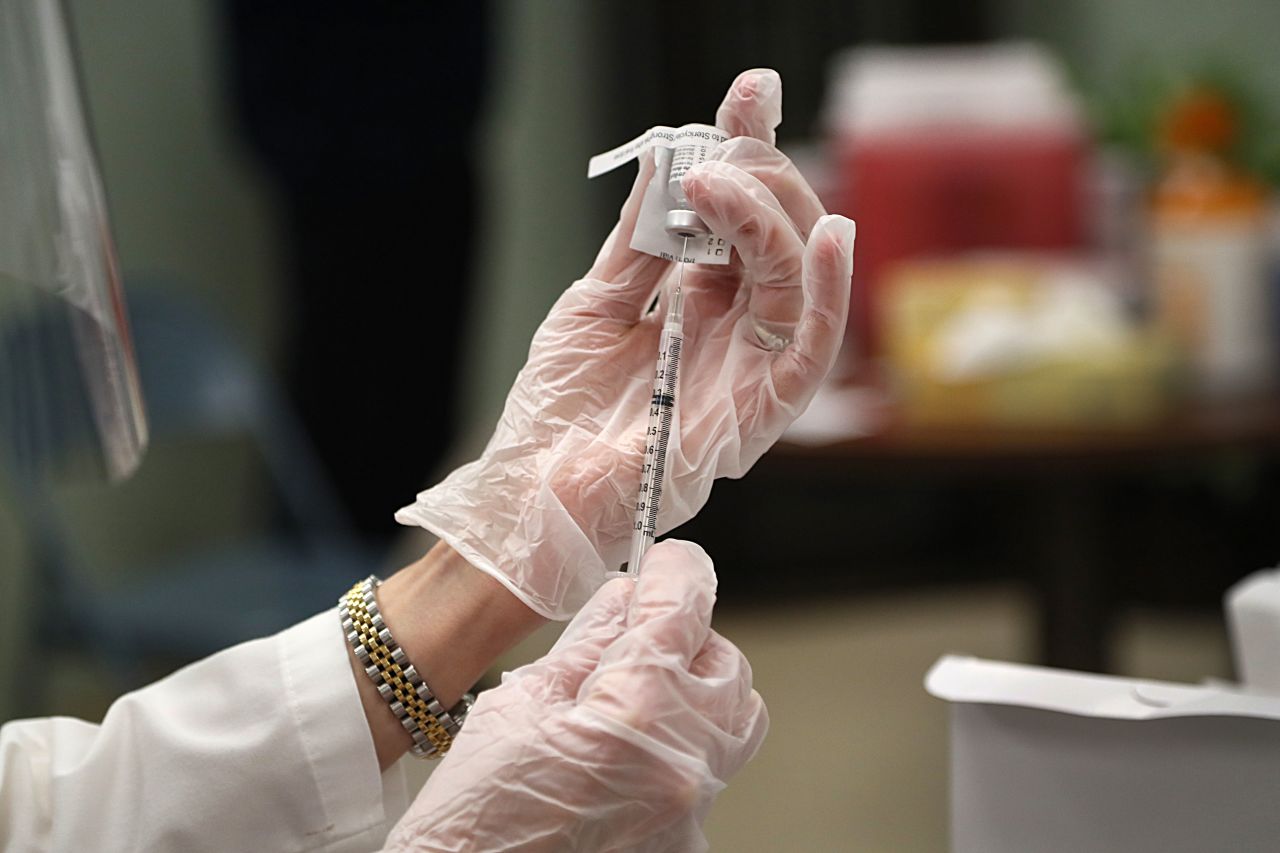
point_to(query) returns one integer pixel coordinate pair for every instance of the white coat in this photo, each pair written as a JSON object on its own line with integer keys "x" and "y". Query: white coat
{"x": 261, "y": 747}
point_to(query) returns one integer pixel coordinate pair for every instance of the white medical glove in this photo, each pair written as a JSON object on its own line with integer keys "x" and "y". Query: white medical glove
{"x": 618, "y": 739}
{"x": 547, "y": 509}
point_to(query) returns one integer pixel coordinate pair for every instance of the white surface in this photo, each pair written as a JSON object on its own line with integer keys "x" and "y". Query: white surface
{"x": 1213, "y": 291}
{"x": 961, "y": 679}
{"x": 1045, "y": 761}
{"x": 1010, "y": 85}
{"x": 1253, "y": 617}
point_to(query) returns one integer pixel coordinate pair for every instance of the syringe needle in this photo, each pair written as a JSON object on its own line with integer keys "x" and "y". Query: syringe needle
{"x": 684, "y": 253}
{"x": 675, "y": 311}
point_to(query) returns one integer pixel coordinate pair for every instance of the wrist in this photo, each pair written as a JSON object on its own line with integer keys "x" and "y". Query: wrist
{"x": 536, "y": 535}
{"x": 452, "y": 621}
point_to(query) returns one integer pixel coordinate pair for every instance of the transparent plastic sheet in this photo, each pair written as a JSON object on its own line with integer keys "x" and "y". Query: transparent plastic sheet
{"x": 70, "y": 399}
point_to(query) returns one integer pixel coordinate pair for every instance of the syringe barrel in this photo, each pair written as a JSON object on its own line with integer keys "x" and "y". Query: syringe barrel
{"x": 657, "y": 435}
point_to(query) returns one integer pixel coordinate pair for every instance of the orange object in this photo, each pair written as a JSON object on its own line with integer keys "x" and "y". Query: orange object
{"x": 1199, "y": 179}
{"x": 1202, "y": 119}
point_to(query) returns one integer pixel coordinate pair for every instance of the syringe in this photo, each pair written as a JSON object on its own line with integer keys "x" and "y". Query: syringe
{"x": 681, "y": 221}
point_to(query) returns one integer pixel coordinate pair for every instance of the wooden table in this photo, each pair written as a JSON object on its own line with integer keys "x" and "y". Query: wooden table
{"x": 1063, "y": 472}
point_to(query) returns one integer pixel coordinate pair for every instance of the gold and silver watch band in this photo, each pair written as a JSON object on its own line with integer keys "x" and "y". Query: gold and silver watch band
{"x": 412, "y": 701}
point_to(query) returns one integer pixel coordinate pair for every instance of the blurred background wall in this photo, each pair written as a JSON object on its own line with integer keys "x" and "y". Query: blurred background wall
{"x": 189, "y": 204}
{"x": 195, "y": 214}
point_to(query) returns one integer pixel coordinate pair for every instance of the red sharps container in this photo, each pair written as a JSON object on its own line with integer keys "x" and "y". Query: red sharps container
{"x": 943, "y": 150}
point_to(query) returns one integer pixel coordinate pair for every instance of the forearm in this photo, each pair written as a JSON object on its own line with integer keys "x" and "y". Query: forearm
{"x": 452, "y": 622}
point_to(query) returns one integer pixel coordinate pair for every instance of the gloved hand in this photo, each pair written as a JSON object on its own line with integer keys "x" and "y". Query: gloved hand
{"x": 618, "y": 739}
{"x": 547, "y": 509}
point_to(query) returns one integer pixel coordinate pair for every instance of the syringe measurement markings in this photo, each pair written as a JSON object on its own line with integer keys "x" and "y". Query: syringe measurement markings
{"x": 667, "y": 402}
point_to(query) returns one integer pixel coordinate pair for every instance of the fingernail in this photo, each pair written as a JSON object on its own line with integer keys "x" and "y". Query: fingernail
{"x": 694, "y": 181}
{"x": 844, "y": 230}
{"x": 759, "y": 83}
{"x": 850, "y": 234}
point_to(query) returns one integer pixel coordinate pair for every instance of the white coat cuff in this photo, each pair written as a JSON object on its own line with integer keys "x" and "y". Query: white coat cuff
{"x": 322, "y": 695}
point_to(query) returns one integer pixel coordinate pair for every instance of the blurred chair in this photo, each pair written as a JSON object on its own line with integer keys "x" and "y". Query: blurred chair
{"x": 199, "y": 385}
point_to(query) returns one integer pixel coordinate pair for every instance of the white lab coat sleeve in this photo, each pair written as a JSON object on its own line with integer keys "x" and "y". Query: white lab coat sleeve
{"x": 260, "y": 747}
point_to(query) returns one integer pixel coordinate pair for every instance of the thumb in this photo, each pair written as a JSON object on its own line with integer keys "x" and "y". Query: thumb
{"x": 557, "y": 676}
{"x": 670, "y": 611}
{"x": 623, "y": 279}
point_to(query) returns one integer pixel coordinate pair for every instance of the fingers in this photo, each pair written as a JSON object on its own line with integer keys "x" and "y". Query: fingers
{"x": 724, "y": 677}
{"x": 601, "y": 619}
{"x": 776, "y": 171}
{"x": 724, "y": 697}
{"x": 578, "y": 651}
{"x": 720, "y": 659}
{"x": 712, "y": 289}
{"x": 668, "y": 680}
{"x": 670, "y": 612}
{"x": 828, "y": 268}
{"x": 753, "y": 105}
{"x": 756, "y": 718}
{"x": 621, "y": 282}
{"x": 742, "y": 210}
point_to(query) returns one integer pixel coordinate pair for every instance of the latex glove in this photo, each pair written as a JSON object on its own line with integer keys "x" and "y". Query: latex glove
{"x": 618, "y": 739}
{"x": 548, "y": 507}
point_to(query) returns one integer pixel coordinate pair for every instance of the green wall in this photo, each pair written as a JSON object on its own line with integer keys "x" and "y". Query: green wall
{"x": 1104, "y": 40}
